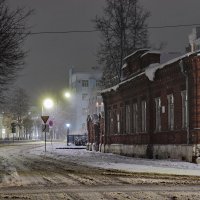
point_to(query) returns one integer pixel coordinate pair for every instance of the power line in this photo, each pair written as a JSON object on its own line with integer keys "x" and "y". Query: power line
{"x": 172, "y": 26}
{"x": 95, "y": 30}
{"x": 63, "y": 32}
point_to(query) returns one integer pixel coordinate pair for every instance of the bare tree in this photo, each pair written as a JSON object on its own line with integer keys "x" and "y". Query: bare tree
{"x": 13, "y": 31}
{"x": 28, "y": 126}
{"x": 18, "y": 106}
{"x": 123, "y": 29}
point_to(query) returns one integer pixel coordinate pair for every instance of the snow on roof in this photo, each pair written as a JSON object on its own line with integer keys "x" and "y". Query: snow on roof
{"x": 153, "y": 52}
{"x": 135, "y": 53}
{"x": 114, "y": 88}
{"x": 124, "y": 65}
{"x": 166, "y": 56}
{"x": 110, "y": 89}
{"x": 151, "y": 69}
{"x": 148, "y": 52}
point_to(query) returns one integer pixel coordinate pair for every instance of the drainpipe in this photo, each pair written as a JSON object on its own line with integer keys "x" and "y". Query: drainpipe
{"x": 187, "y": 96}
{"x": 105, "y": 123}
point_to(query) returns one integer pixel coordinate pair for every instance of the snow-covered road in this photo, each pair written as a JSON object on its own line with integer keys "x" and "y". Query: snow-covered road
{"x": 28, "y": 172}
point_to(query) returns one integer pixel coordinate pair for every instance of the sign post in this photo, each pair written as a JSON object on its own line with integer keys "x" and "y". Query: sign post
{"x": 45, "y": 119}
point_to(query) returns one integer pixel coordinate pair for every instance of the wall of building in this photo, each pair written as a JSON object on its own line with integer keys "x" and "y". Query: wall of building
{"x": 81, "y": 95}
{"x": 171, "y": 79}
{"x": 180, "y": 152}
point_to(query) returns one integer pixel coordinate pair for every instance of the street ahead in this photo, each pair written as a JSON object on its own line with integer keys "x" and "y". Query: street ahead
{"x": 27, "y": 172}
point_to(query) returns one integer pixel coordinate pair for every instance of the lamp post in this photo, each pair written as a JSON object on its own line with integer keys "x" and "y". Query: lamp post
{"x": 67, "y": 95}
{"x": 47, "y": 104}
{"x": 67, "y": 125}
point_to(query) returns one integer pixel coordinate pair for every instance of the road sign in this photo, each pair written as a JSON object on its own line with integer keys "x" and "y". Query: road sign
{"x": 45, "y": 118}
{"x": 44, "y": 129}
{"x": 51, "y": 123}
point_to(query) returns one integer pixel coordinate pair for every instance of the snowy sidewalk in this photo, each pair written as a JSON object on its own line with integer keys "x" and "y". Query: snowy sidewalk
{"x": 113, "y": 161}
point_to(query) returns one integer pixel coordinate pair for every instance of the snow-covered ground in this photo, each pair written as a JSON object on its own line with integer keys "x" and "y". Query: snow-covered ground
{"x": 28, "y": 172}
{"x": 113, "y": 161}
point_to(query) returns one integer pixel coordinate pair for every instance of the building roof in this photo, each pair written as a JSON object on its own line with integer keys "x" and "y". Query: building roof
{"x": 150, "y": 52}
{"x": 135, "y": 52}
{"x": 151, "y": 70}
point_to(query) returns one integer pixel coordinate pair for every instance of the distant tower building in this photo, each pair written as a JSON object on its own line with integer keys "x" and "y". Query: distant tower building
{"x": 84, "y": 86}
{"x": 194, "y": 40}
{"x": 95, "y": 105}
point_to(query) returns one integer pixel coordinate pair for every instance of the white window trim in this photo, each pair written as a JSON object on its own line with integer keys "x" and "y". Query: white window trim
{"x": 128, "y": 118}
{"x": 144, "y": 115}
{"x": 170, "y": 103}
{"x": 158, "y": 113}
{"x": 184, "y": 100}
{"x": 118, "y": 123}
{"x": 135, "y": 117}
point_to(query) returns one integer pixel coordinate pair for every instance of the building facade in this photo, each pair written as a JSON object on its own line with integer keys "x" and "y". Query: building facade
{"x": 155, "y": 111}
{"x": 84, "y": 86}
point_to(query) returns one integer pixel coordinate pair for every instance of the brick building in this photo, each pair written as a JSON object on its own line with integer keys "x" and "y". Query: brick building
{"x": 155, "y": 111}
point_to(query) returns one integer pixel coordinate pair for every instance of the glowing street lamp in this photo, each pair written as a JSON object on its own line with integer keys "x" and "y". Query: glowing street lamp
{"x": 48, "y": 104}
{"x": 67, "y": 125}
{"x": 67, "y": 95}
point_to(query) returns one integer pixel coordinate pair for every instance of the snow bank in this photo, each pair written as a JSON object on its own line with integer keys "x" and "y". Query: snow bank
{"x": 114, "y": 161}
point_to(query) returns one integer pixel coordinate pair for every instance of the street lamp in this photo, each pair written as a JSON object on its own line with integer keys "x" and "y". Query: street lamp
{"x": 48, "y": 104}
{"x": 67, "y": 95}
{"x": 67, "y": 125}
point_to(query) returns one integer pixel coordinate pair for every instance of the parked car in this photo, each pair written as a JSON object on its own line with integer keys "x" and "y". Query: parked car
{"x": 81, "y": 140}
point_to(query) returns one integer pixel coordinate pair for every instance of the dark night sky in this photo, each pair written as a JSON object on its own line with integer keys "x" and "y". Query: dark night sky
{"x": 50, "y": 56}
